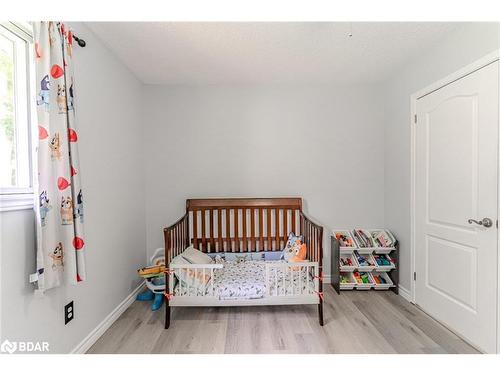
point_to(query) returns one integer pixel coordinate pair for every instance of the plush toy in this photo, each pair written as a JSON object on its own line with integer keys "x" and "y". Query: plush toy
{"x": 292, "y": 241}
{"x": 298, "y": 254}
{"x": 299, "y": 251}
{"x": 155, "y": 280}
{"x": 151, "y": 271}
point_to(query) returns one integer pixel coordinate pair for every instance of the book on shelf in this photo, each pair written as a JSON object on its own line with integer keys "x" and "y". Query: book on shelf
{"x": 382, "y": 239}
{"x": 363, "y": 239}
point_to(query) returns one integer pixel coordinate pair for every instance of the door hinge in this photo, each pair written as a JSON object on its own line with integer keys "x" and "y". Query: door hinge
{"x": 414, "y": 276}
{"x": 415, "y": 119}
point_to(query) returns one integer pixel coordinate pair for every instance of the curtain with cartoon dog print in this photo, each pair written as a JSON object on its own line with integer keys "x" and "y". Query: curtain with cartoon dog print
{"x": 60, "y": 239}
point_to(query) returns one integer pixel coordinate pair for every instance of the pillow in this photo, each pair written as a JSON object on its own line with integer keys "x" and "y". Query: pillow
{"x": 273, "y": 255}
{"x": 289, "y": 250}
{"x": 243, "y": 257}
{"x": 258, "y": 256}
{"x": 195, "y": 256}
{"x": 190, "y": 277}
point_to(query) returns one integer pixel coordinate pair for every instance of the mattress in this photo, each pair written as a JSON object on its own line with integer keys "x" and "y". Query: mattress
{"x": 246, "y": 280}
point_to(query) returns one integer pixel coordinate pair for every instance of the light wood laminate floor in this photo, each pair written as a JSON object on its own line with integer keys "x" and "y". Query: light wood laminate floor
{"x": 355, "y": 322}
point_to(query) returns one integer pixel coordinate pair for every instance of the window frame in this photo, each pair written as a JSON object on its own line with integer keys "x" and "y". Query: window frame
{"x": 22, "y": 197}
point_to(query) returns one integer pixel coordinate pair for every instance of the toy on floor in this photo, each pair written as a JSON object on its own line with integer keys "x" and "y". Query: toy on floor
{"x": 151, "y": 271}
{"x": 155, "y": 280}
{"x": 147, "y": 295}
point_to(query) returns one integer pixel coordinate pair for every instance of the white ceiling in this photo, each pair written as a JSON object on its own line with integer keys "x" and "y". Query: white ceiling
{"x": 253, "y": 53}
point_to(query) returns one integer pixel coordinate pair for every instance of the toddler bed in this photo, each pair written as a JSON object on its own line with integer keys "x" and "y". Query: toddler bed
{"x": 241, "y": 240}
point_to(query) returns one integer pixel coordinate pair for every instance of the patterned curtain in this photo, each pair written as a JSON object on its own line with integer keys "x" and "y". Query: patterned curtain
{"x": 60, "y": 244}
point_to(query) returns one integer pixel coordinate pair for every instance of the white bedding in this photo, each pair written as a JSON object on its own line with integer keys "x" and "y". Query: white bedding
{"x": 246, "y": 280}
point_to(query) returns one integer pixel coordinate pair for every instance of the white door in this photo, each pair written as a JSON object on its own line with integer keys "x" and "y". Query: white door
{"x": 456, "y": 166}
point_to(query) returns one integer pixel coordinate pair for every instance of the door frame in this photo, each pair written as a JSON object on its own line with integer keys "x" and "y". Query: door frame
{"x": 471, "y": 68}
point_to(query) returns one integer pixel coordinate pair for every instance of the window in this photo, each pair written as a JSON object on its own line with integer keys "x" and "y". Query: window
{"x": 16, "y": 67}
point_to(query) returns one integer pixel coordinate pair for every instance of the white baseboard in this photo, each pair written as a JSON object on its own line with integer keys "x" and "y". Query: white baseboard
{"x": 98, "y": 331}
{"x": 405, "y": 293}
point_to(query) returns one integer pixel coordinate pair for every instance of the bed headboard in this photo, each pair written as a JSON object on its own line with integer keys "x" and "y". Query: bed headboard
{"x": 242, "y": 224}
{"x": 216, "y": 225}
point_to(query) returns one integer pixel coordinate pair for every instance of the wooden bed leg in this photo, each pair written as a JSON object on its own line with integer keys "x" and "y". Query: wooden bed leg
{"x": 167, "y": 314}
{"x": 320, "y": 313}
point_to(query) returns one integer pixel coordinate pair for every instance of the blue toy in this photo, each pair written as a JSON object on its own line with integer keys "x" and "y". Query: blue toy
{"x": 147, "y": 295}
{"x": 158, "y": 302}
{"x": 155, "y": 284}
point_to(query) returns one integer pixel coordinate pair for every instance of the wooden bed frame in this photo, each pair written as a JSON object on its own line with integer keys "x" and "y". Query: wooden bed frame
{"x": 243, "y": 225}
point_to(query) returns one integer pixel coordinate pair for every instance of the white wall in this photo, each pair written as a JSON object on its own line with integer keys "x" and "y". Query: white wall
{"x": 111, "y": 152}
{"x": 324, "y": 144}
{"x": 460, "y": 48}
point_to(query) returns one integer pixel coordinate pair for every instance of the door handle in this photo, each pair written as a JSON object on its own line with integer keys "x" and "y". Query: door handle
{"x": 486, "y": 222}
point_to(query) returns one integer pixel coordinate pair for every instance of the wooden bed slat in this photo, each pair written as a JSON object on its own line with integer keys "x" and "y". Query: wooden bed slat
{"x": 219, "y": 230}
{"x": 253, "y": 245}
{"x": 244, "y": 232}
{"x": 285, "y": 223}
{"x": 203, "y": 216}
{"x": 261, "y": 230}
{"x": 227, "y": 215}
{"x": 211, "y": 214}
{"x": 277, "y": 228}
{"x": 195, "y": 229}
{"x": 268, "y": 220}
{"x": 236, "y": 229}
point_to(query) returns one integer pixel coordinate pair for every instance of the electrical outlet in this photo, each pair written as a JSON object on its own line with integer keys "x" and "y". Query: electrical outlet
{"x": 69, "y": 313}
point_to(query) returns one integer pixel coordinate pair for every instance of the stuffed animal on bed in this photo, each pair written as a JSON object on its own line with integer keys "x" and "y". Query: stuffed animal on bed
{"x": 292, "y": 246}
{"x": 300, "y": 251}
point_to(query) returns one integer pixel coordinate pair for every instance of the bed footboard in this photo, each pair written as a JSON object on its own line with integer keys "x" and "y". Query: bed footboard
{"x": 293, "y": 283}
{"x": 284, "y": 284}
